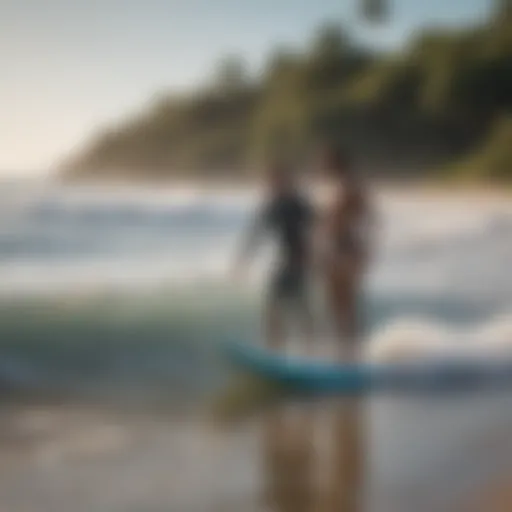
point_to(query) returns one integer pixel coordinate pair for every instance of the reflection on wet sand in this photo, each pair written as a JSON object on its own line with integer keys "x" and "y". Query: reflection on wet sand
{"x": 289, "y": 453}
{"x": 311, "y": 468}
{"x": 346, "y": 482}
{"x": 498, "y": 498}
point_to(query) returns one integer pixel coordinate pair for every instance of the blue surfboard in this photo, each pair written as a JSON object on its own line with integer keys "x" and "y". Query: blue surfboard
{"x": 307, "y": 376}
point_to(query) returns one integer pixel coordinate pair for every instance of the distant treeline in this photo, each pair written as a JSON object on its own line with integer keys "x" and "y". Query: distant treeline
{"x": 442, "y": 108}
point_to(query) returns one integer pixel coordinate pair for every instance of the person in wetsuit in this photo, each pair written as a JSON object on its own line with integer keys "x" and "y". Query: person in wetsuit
{"x": 287, "y": 216}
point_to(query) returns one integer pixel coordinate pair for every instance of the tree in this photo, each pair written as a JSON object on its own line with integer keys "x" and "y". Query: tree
{"x": 436, "y": 101}
{"x": 504, "y": 8}
{"x": 330, "y": 41}
{"x": 282, "y": 64}
{"x": 231, "y": 73}
{"x": 374, "y": 11}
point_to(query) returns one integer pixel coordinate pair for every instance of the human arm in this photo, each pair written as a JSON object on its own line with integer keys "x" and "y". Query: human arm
{"x": 369, "y": 227}
{"x": 251, "y": 239}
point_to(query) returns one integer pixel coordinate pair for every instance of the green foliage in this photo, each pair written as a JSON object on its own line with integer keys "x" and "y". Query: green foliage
{"x": 503, "y": 8}
{"x": 388, "y": 81}
{"x": 492, "y": 161}
{"x": 430, "y": 104}
{"x": 231, "y": 73}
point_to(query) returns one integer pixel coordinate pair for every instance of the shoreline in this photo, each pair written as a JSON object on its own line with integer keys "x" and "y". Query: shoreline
{"x": 390, "y": 188}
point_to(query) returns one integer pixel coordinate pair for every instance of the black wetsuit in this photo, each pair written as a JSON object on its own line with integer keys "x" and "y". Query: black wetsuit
{"x": 288, "y": 218}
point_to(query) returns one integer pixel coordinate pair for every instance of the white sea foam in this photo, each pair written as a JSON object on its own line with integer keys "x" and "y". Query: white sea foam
{"x": 419, "y": 339}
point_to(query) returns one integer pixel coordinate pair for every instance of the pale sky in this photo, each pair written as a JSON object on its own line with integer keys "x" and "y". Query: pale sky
{"x": 68, "y": 67}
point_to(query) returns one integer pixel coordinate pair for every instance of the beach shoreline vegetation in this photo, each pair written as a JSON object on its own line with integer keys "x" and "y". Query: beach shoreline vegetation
{"x": 439, "y": 110}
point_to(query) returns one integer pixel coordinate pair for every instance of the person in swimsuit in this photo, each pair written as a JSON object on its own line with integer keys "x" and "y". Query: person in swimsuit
{"x": 287, "y": 216}
{"x": 346, "y": 229}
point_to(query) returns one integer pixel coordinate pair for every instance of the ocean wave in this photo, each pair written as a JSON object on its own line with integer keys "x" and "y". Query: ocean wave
{"x": 17, "y": 375}
{"x": 121, "y": 346}
{"x": 127, "y": 291}
{"x": 163, "y": 344}
{"x": 414, "y": 339}
{"x": 424, "y": 235}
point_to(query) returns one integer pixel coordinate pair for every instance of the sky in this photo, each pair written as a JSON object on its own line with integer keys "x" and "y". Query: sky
{"x": 70, "y": 67}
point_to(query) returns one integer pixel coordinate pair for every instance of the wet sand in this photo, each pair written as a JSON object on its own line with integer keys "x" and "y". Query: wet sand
{"x": 496, "y": 498}
{"x": 387, "y": 454}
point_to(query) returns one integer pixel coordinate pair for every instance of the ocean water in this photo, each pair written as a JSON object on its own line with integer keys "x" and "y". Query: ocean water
{"x": 106, "y": 289}
{"x": 118, "y": 294}
{"x": 119, "y": 297}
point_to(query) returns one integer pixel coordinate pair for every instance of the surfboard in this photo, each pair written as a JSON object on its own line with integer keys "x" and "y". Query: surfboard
{"x": 311, "y": 376}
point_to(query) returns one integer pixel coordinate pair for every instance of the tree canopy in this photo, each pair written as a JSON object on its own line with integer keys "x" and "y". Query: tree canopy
{"x": 404, "y": 113}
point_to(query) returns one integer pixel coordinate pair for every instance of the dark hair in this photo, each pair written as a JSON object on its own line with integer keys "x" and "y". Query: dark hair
{"x": 280, "y": 169}
{"x": 338, "y": 160}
